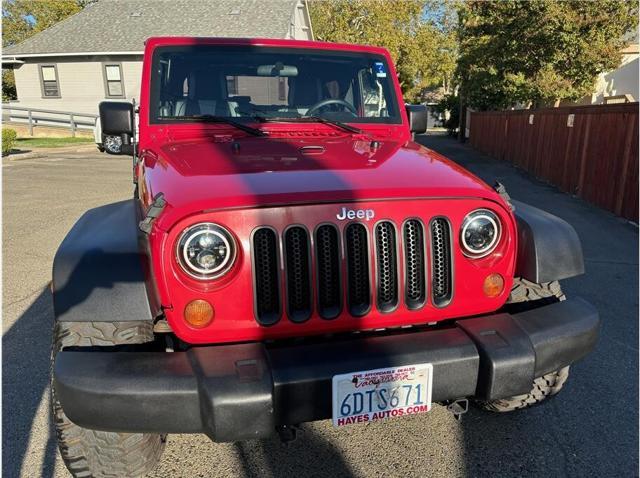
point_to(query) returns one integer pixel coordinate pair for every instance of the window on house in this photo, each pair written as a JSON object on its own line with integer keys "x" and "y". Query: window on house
{"x": 49, "y": 77}
{"x": 113, "y": 81}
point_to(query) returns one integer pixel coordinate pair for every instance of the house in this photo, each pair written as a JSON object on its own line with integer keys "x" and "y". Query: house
{"x": 96, "y": 54}
{"x": 619, "y": 85}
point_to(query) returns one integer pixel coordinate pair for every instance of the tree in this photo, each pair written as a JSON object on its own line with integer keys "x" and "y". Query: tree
{"x": 538, "y": 52}
{"x": 419, "y": 34}
{"x": 24, "y": 18}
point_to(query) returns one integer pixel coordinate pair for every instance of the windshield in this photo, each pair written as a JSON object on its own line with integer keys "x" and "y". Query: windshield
{"x": 191, "y": 83}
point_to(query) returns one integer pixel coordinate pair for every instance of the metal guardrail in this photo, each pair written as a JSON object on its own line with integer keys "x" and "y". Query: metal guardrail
{"x": 33, "y": 116}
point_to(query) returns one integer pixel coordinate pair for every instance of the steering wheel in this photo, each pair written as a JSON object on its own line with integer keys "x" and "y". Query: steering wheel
{"x": 331, "y": 101}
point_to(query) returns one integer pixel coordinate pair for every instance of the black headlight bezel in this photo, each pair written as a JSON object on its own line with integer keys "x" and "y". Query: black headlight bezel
{"x": 186, "y": 238}
{"x": 485, "y": 251}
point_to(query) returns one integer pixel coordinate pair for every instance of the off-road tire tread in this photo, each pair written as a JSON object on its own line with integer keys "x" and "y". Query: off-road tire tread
{"x": 91, "y": 453}
{"x": 543, "y": 388}
{"x": 549, "y": 384}
{"x": 527, "y": 291}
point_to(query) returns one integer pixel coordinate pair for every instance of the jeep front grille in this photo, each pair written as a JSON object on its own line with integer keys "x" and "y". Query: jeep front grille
{"x": 313, "y": 265}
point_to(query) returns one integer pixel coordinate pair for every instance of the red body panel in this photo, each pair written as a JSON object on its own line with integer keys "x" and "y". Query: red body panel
{"x": 272, "y": 181}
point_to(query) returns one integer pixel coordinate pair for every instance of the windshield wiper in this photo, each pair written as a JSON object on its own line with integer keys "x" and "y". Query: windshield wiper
{"x": 218, "y": 119}
{"x": 338, "y": 124}
{"x": 302, "y": 119}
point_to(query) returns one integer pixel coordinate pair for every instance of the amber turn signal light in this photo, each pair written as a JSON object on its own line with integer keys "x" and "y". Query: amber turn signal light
{"x": 493, "y": 285}
{"x": 198, "y": 313}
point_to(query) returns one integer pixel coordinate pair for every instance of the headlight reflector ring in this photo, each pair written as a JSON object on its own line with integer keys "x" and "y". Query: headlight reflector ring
{"x": 206, "y": 251}
{"x": 480, "y": 233}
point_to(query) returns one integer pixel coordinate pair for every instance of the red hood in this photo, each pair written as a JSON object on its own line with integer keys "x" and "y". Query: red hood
{"x": 213, "y": 172}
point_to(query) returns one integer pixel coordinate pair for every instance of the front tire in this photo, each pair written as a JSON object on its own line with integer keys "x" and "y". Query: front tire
{"x": 527, "y": 291}
{"x": 92, "y": 453}
{"x": 526, "y": 294}
{"x": 543, "y": 387}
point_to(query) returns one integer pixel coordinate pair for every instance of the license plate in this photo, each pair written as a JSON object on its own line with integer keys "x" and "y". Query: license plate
{"x": 371, "y": 395}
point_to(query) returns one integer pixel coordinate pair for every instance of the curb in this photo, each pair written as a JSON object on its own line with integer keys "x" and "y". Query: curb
{"x": 44, "y": 152}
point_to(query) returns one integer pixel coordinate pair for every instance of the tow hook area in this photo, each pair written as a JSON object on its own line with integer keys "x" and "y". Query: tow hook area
{"x": 458, "y": 407}
{"x": 288, "y": 433}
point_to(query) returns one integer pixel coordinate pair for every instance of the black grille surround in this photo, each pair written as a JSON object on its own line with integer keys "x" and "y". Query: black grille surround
{"x": 387, "y": 266}
{"x": 266, "y": 267}
{"x": 328, "y": 271}
{"x": 356, "y": 239}
{"x": 298, "y": 273}
{"x": 359, "y": 263}
{"x": 441, "y": 264}
{"x": 415, "y": 262}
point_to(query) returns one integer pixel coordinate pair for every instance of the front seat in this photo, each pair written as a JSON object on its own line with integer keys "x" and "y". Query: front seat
{"x": 304, "y": 92}
{"x": 205, "y": 95}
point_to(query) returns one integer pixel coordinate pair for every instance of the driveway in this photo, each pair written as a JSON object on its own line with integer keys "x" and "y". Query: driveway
{"x": 588, "y": 430}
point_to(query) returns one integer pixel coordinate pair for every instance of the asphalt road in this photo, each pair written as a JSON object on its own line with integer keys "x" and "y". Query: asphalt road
{"x": 590, "y": 429}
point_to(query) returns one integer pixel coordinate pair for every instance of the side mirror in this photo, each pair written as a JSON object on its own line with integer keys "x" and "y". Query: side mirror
{"x": 417, "y": 115}
{"x": 117, "y": 119}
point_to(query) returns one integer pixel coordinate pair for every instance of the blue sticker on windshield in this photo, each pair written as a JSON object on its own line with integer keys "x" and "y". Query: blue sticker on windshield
{"x": 378, "y": 66}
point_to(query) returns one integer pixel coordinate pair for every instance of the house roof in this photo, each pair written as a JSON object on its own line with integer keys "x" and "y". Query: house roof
{"x": 123, "y": 25}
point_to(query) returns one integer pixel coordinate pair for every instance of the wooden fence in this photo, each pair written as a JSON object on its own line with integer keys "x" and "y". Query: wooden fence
{"x": 589, "y": 151}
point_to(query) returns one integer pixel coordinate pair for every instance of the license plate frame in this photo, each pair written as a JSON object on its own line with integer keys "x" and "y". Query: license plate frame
{"x": 368, "y": 395}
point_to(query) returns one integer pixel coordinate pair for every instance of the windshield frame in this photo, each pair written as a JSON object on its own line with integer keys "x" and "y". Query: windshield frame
{"x": 391, "y": 96}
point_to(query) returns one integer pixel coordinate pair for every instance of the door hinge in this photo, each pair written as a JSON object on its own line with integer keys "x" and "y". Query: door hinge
{"x": 154, "y": 211}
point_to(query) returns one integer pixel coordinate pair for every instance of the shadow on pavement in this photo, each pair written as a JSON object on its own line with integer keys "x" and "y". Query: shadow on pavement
{"x": 298, "y": 458}
{"x": 26, "y": 349}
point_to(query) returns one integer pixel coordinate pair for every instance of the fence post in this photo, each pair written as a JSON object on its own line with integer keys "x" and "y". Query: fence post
{"x": 626, "y": 157}
{"x": 72, "y": 125}
{"x": 30, "y": 114}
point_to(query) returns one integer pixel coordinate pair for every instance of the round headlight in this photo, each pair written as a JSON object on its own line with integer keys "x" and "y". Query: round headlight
{"x": 206, "y": 251}
{"x": 480, "y": 233}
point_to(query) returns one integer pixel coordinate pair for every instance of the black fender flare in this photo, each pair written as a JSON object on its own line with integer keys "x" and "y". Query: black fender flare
{"x": 549, "y": 248}
{"x": 102, "y": 271}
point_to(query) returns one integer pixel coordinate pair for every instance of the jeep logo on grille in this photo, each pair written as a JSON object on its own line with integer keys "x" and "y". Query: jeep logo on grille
{"x": 366, "y": 214}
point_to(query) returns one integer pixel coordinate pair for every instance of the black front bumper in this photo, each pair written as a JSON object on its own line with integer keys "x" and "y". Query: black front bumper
{"x": 238, "y": 392}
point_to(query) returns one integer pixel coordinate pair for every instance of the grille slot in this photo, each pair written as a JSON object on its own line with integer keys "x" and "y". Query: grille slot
{"x": 441, "y": 261}
{"x": 387, "y": 266}
{"x": 265, "y": 271}
{"x": 328, "y": 271}
{"x": 415, "y": 284}
{"x": 298, "y": 268}
{"x": 358, "y": 286}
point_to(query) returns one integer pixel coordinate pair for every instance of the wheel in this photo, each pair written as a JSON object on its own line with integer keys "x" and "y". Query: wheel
{"x": 543, "y": 387}
{"x": 92, "y": 453}
{"x": 112, "y": 144}
{"x": 526, "y": 295}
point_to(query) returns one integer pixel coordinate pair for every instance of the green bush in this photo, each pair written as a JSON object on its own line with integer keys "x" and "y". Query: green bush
{"x": 8, "y": 140}
{"x": 450, "y": 105}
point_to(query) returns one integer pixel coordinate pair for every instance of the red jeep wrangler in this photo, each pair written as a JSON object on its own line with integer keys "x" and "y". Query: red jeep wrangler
{"x": 290, "y": 254}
